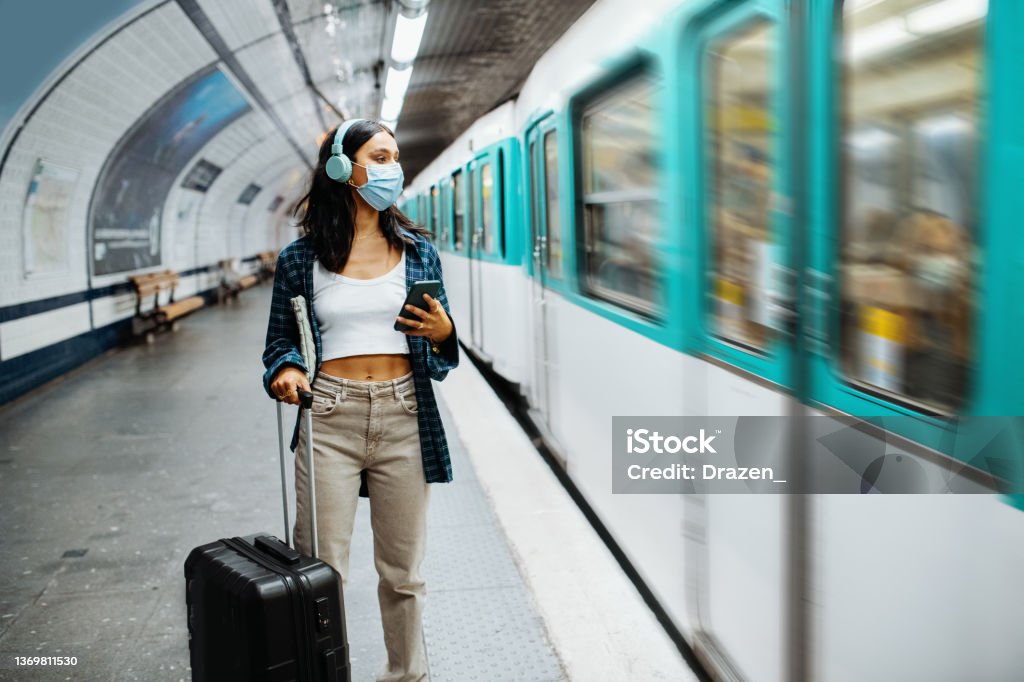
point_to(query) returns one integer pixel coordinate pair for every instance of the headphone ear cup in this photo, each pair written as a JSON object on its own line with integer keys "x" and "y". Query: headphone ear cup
{"x": 339, "y": 168}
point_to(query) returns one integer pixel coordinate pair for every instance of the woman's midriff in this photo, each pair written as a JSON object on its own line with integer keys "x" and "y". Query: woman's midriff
{"x": 376, "y": 367}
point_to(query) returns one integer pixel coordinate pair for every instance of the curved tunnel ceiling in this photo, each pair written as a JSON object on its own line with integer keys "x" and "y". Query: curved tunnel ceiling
{"x": 300, "y": 65}
{"x": 30, "y": 38}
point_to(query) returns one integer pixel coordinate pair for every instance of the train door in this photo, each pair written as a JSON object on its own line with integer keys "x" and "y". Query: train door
{"x": 539, "y": 138}
{"x": 916, "y": 256}
{"x": 458, "y": 273}
{"x": 901, "y": 233}
{"x": 443, "y": 211}
{"x": 472, "y": 217}
{"x": 739, "y": 157}
{"x": 476, "y": 251}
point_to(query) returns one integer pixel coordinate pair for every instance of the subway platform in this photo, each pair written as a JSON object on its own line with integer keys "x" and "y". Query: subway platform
{"x": 110, "y": 475}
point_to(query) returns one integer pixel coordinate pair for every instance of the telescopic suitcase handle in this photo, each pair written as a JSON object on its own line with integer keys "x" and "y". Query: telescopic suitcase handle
{"x": 306, "y": 403}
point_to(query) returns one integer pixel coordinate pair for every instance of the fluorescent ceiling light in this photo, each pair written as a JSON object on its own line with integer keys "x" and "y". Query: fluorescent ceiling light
{"x": 945, "y": 14}
{"x": 390, "y": 108}
{"x": 397, "y": 82}
{"x": 878, "y": 38}
{"x": 408, "y": 34}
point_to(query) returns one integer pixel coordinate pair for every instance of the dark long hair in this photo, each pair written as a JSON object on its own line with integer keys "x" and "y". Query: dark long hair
{"x": 330, "y": 208}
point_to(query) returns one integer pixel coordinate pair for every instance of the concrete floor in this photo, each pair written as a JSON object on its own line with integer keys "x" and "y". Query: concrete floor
{"x": 110, "y": 475}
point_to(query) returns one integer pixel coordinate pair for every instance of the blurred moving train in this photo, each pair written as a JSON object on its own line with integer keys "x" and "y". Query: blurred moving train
{"x": 767, "y": 207}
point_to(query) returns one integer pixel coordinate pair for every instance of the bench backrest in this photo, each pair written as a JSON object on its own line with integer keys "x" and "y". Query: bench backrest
{"x": 151, "y": 284}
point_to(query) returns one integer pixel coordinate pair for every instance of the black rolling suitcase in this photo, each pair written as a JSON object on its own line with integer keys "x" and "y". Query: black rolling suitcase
{"x": 258, "y": 610}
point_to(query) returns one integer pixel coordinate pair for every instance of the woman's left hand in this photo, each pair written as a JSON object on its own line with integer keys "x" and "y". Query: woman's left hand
{"x": 433, "y": 324}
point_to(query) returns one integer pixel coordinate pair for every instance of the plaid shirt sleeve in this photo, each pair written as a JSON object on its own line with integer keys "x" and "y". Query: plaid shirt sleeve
{"x": 282, "y": 345}
{"x": 447, "y": 355}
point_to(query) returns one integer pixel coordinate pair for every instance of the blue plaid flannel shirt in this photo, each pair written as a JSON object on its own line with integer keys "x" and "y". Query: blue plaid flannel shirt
{"x": 294, "y": 276}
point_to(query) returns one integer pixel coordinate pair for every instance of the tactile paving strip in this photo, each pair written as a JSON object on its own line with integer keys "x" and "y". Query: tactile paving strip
{"x": 487, "y": 635}
{"x": 469, "y": 557}
{"x": 479, "y": 621}
{"x": 461, "y": 502}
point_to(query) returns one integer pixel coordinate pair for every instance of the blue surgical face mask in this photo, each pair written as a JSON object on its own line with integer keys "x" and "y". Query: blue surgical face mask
{"x": 383, "y": 184}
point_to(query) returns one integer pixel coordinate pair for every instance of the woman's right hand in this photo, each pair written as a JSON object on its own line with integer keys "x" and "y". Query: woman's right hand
{"x": 287, "y": 383}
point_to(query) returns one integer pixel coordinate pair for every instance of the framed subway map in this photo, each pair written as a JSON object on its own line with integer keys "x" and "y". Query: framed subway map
{"x": 45, "y": 219}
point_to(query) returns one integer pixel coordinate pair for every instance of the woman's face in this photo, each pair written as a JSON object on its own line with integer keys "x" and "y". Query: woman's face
{"x": 379, "y": 149}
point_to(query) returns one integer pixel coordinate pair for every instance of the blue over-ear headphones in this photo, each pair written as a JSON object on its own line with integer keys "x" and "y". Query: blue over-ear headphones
{"x": 339, "y": 166}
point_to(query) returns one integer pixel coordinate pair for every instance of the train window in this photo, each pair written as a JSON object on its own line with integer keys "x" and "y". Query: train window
{"x": 459, "y": 202}
{"x": 909, "y": 207}
{"x": 741, "y": 123}
{"x": 486, "y": 187}
{"x": 619, "y": 182}
{"x": 554, "y": 224}
{"x": 435, "y": 215}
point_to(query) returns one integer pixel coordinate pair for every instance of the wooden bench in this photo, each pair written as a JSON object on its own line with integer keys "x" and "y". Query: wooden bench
{"x": 159, "y": 315}
{"x": 231, "y": 282}
{"x": 268, "y": 263}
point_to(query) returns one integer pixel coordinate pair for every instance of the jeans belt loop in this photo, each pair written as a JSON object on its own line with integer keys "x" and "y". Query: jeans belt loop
{"x": 344, "y": 389}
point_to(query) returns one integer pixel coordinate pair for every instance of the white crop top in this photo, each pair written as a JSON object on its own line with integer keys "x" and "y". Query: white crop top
{"x": 357, "y": 316}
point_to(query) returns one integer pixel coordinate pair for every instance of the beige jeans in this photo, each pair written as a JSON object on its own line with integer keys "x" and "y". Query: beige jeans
{"x": 371, "y": 425}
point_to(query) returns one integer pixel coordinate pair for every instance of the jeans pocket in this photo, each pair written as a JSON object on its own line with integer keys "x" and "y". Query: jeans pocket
{"x": 409, "y": 402}
{"x": 324, "y": 403}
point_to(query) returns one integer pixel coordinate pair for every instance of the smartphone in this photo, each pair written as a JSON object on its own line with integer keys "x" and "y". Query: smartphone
{"x": 415, "y": 297}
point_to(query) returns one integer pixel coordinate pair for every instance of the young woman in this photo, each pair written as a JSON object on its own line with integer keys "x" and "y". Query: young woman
{"x": 373, "y": 406}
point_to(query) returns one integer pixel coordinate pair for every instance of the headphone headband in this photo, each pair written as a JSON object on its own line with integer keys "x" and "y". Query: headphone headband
{"x": 340, "y": 135}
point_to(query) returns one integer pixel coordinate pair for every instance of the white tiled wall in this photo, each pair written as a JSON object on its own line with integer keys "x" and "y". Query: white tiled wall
{"x": 247, "y": 158}
{"x": 271, "y": 64}
{"x": 110, "y": 309}
{"x": 272, "y": 229}
{"x": 79, "y": 124}
{"x": 240, "y": 22}
{"x": 199, "y": 241}
{"x": 95, "y": 105}
{"x": 298, "y": 110}
{"x": 25, "y": 334}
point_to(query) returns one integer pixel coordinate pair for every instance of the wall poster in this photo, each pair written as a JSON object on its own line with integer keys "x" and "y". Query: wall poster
{"x": 45, "y": 219}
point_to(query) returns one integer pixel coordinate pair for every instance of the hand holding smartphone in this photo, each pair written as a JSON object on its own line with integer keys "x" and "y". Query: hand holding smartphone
{"x": 415, "y": 297}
